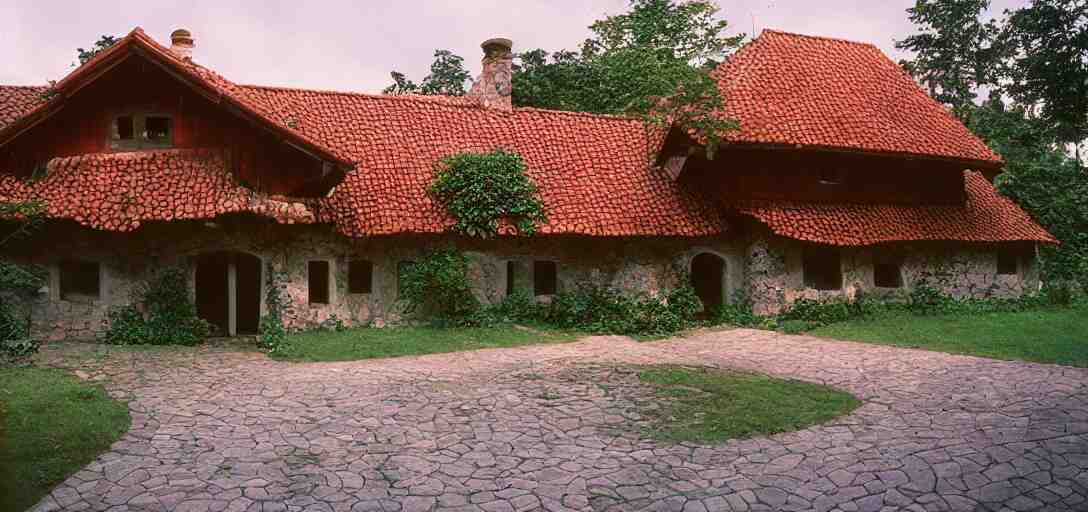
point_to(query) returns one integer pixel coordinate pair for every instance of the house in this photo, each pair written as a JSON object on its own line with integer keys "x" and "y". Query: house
{"x": 844, "y": 178}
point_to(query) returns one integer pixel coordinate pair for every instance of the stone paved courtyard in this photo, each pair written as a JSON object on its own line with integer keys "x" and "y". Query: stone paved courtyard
{"x": 556, "y": 427}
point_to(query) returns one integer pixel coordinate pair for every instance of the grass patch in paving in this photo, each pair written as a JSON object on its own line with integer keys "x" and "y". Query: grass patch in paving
{"x": 51, "y": 425}
{"x": 1045, "y": 335}
{"x": 708, "y": 405}
{"x": 370, "y": 343}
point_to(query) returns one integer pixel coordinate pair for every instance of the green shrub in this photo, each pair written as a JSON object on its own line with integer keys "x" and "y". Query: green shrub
{"x": 601, "y": 309}
{"x": 480, "y": 189}
{"x": 438, "y": 286}
{"x": 162, "y": 313}
{"x": 821, "y": 313}
{"x": 738, "y": 313}
{"x": 271, "y": 336}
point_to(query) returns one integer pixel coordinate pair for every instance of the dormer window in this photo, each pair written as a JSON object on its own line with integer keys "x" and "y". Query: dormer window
{"x": 132, "y": 131}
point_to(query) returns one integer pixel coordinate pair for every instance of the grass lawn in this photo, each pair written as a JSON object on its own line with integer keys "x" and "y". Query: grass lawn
{"x": 708, "y": 405}
{"x": 51, "y": 425}
{"x": 1046, "y": 335}
{"x": 369, "y": 343}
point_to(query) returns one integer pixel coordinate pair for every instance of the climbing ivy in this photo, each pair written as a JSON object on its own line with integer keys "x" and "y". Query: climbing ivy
{"x": 481, "y": 189}
{"x": 162, "y": 313}
{"x": 271, "y": 334}
{"x": 437, "y": 285}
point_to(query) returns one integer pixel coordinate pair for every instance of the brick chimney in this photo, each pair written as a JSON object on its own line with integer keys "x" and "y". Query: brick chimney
{"x": 492, "y": 89}
{"x": 181, "y": 43}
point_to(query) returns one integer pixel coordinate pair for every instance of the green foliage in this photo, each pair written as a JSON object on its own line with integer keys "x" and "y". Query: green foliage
{"x": 99, "y": 46}
{"x": 437, "y": 285}
{"x": 651, "y": 62}
{"x": 53, "y": 425}
{"x": 481, "y": 189}
{"x": 18, "y": 219}
{"x": 1046, "y": 43}
{"x": 1045, "y": 335}
{"x": 17, "y": 283}
{"x": 162, "y": 313}
{"x": 711, "y": 406}
{"x": 448, "y": 77}
{"x": 601, "y": 309}
{"x": 953, "y": 49}
{"x": 271, "y": 335}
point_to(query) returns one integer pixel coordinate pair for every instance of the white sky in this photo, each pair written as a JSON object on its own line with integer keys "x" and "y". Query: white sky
{"x": 353, "y": 45}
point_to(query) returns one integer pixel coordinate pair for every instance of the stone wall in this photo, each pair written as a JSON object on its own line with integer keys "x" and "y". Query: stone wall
{"x": 645, "y": 266}
{"x": 775, "y": 273}
{"x": 765, "y": 269}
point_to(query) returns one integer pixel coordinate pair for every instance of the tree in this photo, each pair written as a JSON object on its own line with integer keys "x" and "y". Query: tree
{"x": 651, "y": 62}
{"x": 1047, "y": 43}
{"x": 448, "y": 77}
{"x": 99, "y": 46}
{"x": 953, "y": 50}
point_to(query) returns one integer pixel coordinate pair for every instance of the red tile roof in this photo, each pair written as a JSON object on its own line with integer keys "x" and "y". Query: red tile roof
{"x": 790, "y": 89}
{"x": 986, "y": 217}
{"x": 17, "y": 100}
{"x": 593, "y": 172}
{"x": 120, "y": 191}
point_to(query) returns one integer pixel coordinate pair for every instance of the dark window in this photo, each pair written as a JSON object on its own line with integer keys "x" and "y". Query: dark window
{"x": 157, "y": 129}
{"x": 886, "y": 275}
{"x": 403, "y": 268}
{"x": 79, "y": 279}
{"x": 360, "y": 276}
{"x": 1006, "y": 263}
{"x": 821, "y": 268}
{"x": 511, "y": 273}
{"x": 319, "y": 282}
{"x": 544, "y": 277}
{"x": 123, "y": 128}
{"x": 831, "y": 176}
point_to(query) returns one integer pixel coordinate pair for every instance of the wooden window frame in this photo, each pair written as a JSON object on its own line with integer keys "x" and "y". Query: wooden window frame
{"x": 139, "y": 141}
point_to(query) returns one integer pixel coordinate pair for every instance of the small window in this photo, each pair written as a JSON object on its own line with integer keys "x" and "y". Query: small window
{"x": 403, "y": 268}
{"x": 360, "y": 276}
{"x": 123, "y": 128}
{"x": 887, "y": 275}
{"x": 831, "y": 176}
{"x": 318, "y": 277}
{"x": 157, "y": 129}
{"x": 511, "y": 274}
{"x": 1007, "y": 263}
{"x": 821, "y": 268}
{"x": 544, "y": 277}
{"x": 80, "y": 280}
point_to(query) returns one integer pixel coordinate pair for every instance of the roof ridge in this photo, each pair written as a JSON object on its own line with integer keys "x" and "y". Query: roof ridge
{"x": 823, "y": 38}
{"x": 439, "y": 99}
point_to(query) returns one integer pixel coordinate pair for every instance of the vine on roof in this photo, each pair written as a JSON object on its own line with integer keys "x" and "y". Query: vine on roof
{"x": 479, "y": 190}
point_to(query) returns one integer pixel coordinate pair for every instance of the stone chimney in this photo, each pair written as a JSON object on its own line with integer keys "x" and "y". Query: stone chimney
{"x": 492, "y": 89}
{"x": 181, "y": 43}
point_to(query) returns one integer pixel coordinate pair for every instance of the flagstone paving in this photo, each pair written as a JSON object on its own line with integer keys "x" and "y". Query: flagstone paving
{"x": 557, "y": 427}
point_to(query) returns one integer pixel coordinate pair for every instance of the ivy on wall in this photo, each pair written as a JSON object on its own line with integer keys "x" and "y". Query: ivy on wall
{"x": 481, "y": 189}
{"x": 162, "y": 313}
{"x": 271, "y": 334}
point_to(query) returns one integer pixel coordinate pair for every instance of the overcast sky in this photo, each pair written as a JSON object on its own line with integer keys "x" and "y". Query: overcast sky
{"x": 352, "y": 45}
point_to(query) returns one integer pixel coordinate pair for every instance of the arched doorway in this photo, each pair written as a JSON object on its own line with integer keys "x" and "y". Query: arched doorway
{"x": 708, "y": 279}
{"x": 228, "y": 291}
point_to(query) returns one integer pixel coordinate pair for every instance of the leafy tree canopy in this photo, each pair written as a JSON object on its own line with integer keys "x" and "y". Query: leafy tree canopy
{"x": 448, "y": 77}
{"x": 103, "y": 42}
{"x": 651, "y": 61}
